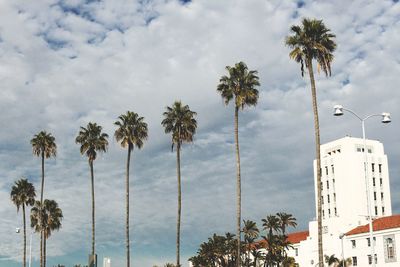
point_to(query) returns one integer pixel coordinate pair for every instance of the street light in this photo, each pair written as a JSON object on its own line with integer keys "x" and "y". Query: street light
{"x": 341, "y": 238}
{"x": 338, "y": 111}
{"x": 18, "y": 230}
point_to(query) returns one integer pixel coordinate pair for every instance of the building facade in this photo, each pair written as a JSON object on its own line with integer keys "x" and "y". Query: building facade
{"x": 345, "y": 209}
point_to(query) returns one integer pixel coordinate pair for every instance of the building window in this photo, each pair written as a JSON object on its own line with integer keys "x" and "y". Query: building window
{"x": 335, "y": 212}
{"x": 381, "y": 181}
{"x": 373, "y": 181}
{"x": 369, "y": 243}
{"x": 373, "y": 167}
{"x": 327, "y": 184}
{"x": 329, "y": 199}
{"x": 370, "y": 259}
{"x": 380, "y": 168}
{"x": 329, "y": 212}
{"x": 322, "y": 186}
{"x": 374, "y": 195}
{"x": 333, "y": 169}
{"x": 326, "y": 170}
{"x": 369, "y": 150}
{"x": 296, "y": 251}
{"x": 323, "y": 214}
{"x": 376, "y": 210}
{"x": 381, "y": 196}
{"x": 353, "y": 243}
{"x": 390, "y": 248}
{"x": 358, "y": 149}
{"x": 334, "y": 197}
{"x": 383, "y": 210}
{"x": 354, "y": 260}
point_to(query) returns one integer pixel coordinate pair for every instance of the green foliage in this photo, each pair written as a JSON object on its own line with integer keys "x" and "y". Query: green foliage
{"x": 44, "y": 144}
{"x": 220, "y": 251}
{"x": 46, "y": 218}
{"x": 23, "y": 193}
{"x": 92, "y": 140}
{"x": 132, "y": 130}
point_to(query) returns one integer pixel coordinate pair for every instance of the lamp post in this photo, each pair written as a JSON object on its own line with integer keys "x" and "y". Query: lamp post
{"x": 18, "y": 230}
{"x": 341, "y": 236}
{"x": 338, "y": 111}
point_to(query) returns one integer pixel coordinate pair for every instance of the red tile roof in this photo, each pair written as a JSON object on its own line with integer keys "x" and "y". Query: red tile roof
{"x": 293, "y": 238}
{"x": 379, "y": 224}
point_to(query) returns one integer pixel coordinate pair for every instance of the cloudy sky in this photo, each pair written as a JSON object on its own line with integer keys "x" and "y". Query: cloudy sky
{"x": 64, "y": 63}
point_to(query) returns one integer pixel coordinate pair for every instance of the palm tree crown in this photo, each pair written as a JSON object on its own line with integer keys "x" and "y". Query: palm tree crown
{"x": 179, "y": 120}
{"x": 311, "y": 41}
{"x": 285, "y": 220}
{"x": 23, "y": 193}
{"x": 92, "y": 140}
{"x": 132, "y": 130}
{"x": 44, "y": 143}
{"x": 240, "y": 84}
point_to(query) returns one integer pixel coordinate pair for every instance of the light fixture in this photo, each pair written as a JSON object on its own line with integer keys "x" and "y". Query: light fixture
{"x": 338, "y": 110}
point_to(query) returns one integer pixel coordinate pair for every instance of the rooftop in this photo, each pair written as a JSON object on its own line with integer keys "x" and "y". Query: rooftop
{"x": 379, "y": 224}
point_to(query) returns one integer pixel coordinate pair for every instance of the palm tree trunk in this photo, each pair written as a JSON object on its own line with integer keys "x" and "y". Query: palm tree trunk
{"x": 178, "y": 221}
{"x": 93, "y": 206}
{"x": 24, "y": 221}
{"x": 318, "y": 156}
{"x": 127, "y": 208}
{"x": 44, "y": 251}
{"x": 41, "y": 205}
{"x": 238, "y": 186}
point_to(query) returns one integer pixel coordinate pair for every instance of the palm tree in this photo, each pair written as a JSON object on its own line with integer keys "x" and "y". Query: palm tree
{"x": 180, "y": 121}
{"x": 331, "y": 260}
{"x": 251, "y": 232}
{"x": 240, "y": 85}
{"x": 286, "y": 220}
{"x": 23, "y": 194}
{"x": 131, "y": 132}
{"x": 46, "y": 218}
{"x": 312, "y": 40}
{"x": 92, "y": 140}
{"x": 43, "y": 145}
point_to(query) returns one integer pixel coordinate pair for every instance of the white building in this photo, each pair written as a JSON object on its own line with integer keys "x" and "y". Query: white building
{"x": 345, "y": 210}
{"x": 106, "y": 262}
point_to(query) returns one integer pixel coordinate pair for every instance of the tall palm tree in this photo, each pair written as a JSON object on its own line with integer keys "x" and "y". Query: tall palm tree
{"x": 286, "y": 220}
{"x": 180, "y": 121}
{"x": 131, "y": 132}
{"x": 239, "y": 85}
{"x": 23, "y": 194}
{"x": 313, "y": 41}
{"x": 46, "y": 218}
{"x": 92, "y": 140}
{"x": 43, "y": 145}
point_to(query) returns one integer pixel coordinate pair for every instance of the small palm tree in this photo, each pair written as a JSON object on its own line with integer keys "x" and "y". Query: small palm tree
{"x": 180, "y": 121}
{"x": 240, "y": 85}
{"x": 44, "y": 146}
{"x": 131, "y": 132}
{"x": 92, "y": 140}
{"x": 23, "y": 194}
{"x": 46, "y": 218}
{"x": 313, "y": 41}
{"x": 251, "y": 232}
{"x": 286, "y": 220}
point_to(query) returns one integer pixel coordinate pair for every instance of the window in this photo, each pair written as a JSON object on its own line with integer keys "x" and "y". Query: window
{"x": 296, "y": 251}
{"x": 374, "y": 195}
{"x": 329, "y": 199}
{"x": 326, "y": 170}
{"x": 390, "y": 248}
{"x": 335, "y": 212}
{"x": 376, "y": 210}
{"x": 334, "y": 197}
{"x": 322, "y": 199}
{"x": 370, "y": 259}
{"x": 358, "y": 149}
{"x": 369, "y": 244}
{"x": 322, "y": 186}
{"x": 369, "y": 150}
{"x": 373, "y": 181}
{"x": 373, "y": 167}
{"x": 329, "y": 212}
{"x": 353, "y": 243}
{"x": 381, "y": 196}
{"x": 333, "y": 169}
{"x": 380, "y": 168}
{"x": 354, "y": 260}
{"x": 381, "y": 181}
{"x": 323, "y": 214}
{"x": 383, "y": 210}
{"x": 327, "y": 184}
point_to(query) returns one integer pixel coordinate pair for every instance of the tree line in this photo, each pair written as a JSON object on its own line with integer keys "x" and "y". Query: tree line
{"x": 309, "y": 41}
